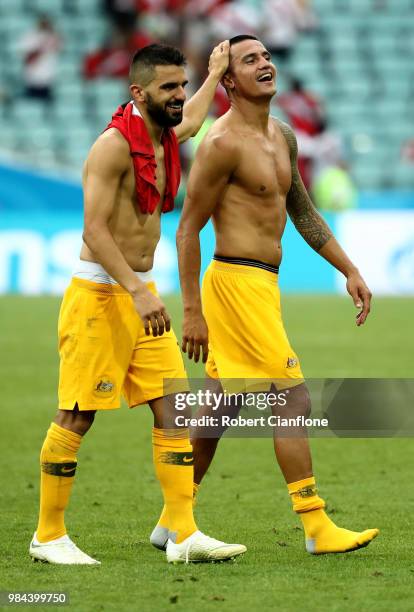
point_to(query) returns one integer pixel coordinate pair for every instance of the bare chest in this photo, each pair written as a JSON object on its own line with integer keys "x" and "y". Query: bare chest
{"x": 264, "y": 169}
{"x": 127, "y": 216}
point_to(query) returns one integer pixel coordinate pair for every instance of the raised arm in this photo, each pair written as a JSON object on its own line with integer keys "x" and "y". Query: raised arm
{"x": 318, "y": 235}
{"x": 107, "y": 163}
{"x": 214, "y": 163}
{"x": 196, "y": 109}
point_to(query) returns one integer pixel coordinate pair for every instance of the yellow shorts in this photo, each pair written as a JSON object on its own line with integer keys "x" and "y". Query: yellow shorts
{"x": 104, "y": 350}
{"x": 247, "y": 340}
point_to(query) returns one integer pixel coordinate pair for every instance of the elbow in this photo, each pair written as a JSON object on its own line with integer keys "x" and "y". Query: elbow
{"x": 194, "y": 126}
{"x": 91, "y": 233}
{"x": 87, "y": 235}
{"x": 198, "y": 124}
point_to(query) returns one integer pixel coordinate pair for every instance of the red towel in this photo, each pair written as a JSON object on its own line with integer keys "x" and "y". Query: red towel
{"x": 133, "y": 129}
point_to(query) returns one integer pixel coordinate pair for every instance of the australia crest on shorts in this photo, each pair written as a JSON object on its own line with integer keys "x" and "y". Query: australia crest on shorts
{"x": 292, "y": 362}
{"x": 104, "y": 386}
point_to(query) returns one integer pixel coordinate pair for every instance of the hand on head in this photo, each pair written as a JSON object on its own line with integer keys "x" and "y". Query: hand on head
{"x": 219, "y": 59}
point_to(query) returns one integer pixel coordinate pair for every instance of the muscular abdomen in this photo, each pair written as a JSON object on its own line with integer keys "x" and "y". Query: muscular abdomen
{"x": 135, "y": 234}
{"x": 250, "y": 226}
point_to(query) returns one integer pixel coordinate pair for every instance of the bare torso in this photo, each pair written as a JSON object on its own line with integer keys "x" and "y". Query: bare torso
{"x": 250, "y": 218}
{"x": 135, "y": 234}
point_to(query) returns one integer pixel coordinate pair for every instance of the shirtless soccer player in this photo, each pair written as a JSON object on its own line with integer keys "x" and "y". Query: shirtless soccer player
{"x": 114, "y": 331}
{"x": 245, "y": 177}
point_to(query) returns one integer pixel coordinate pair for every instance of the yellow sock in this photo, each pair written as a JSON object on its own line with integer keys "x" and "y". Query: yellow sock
{"x": 173, "y": 461}
{"x": 163, "y": 520}
{"x": 321, "y": 534}
{"x": 58, "y": 466}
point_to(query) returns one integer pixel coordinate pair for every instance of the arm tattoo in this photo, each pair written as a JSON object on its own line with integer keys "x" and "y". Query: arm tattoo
{"x": 299, "y": 206}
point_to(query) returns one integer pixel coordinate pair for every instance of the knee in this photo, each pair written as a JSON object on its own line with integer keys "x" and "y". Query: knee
{"x": 307, "y": 405}
{"x": 203, "y": 445}
{"x": 75, "y": 420}
{"x": 299, "y": 402}
{"x": 84, "y": 423}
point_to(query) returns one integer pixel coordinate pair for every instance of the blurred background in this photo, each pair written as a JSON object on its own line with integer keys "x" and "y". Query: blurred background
{"x": 345, "y": 84}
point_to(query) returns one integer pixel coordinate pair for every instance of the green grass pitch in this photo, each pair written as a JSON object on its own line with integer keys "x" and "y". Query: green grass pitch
{"x": 116, "y": 499}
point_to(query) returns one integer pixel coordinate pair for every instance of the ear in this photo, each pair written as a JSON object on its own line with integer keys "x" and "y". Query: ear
{"x": 137, "y": 92}
{"x": 227, "y": 81}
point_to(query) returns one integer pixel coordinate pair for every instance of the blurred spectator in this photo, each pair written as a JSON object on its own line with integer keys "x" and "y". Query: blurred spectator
{"x": 327, "y": 149}
{"x": 305, "y": 114}
{"x": 234, "y": 17}
{"x": 321, "y": 158}
{"x": 283, "y": 20}
{"x": 114, "y": 57}
{"x": 123, "y": 13}
{"x": 334, "y": 190}
{"x": 303, "y": 108}
{"x": 332, "y": 186}
{"x": 40, "y": 48}
{"x": 163, "y": 19}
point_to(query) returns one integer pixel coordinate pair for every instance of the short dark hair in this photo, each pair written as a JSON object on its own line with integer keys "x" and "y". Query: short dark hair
{"x": 240, "y": 38}
{"x": 146, "y": 59}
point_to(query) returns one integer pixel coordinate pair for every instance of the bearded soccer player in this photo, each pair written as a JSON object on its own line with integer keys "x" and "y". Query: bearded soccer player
{"x": 114, "y": 331}
{"x": 245, "y": 178}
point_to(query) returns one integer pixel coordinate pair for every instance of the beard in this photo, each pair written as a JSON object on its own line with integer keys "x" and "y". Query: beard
{"x": 161, "y": 115}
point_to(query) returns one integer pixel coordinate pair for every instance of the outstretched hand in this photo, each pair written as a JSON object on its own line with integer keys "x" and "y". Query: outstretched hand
{"x": 219, "y": 59}
{"x": 361, "y": 296}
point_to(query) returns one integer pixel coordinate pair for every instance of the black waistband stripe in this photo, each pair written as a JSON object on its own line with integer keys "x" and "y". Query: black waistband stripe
{"x": 255, "y": 263}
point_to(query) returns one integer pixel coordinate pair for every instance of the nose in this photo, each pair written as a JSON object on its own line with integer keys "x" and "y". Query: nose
{"x": 180, "y": 94}
{"x": 267, "y": 65}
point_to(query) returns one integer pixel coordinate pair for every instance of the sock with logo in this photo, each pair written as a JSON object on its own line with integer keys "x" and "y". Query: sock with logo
{"x": 58, "y": 466}
{"x": 321, "y": 534}
{"x": 174, "y": 466}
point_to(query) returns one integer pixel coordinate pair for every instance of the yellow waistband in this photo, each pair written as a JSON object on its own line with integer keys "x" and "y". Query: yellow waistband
{"x": 232, "y": 268}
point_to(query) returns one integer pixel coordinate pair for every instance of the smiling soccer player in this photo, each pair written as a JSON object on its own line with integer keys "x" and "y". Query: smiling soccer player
{"x": 245, "y": 177}
{"x": 114, "y": 331}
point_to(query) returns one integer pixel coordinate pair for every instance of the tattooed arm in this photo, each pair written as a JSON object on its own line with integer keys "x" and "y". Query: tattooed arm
{"x": 317, "y": 233}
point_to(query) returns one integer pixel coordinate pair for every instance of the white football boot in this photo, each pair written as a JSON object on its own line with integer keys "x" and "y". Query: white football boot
{"x": 61, "y": 551}
{"x": 200, "y": 548}
{"x": 159, "y": 537}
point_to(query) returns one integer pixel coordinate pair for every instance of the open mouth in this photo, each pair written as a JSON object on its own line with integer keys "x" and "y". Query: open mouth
{"x": 267, "y": 77}
{"x": 175, "y": 107}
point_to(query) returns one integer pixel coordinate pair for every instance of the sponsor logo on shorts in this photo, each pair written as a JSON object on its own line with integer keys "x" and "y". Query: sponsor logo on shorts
{"x": 292, "y": 362}
{"x": 104, "y": 386}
